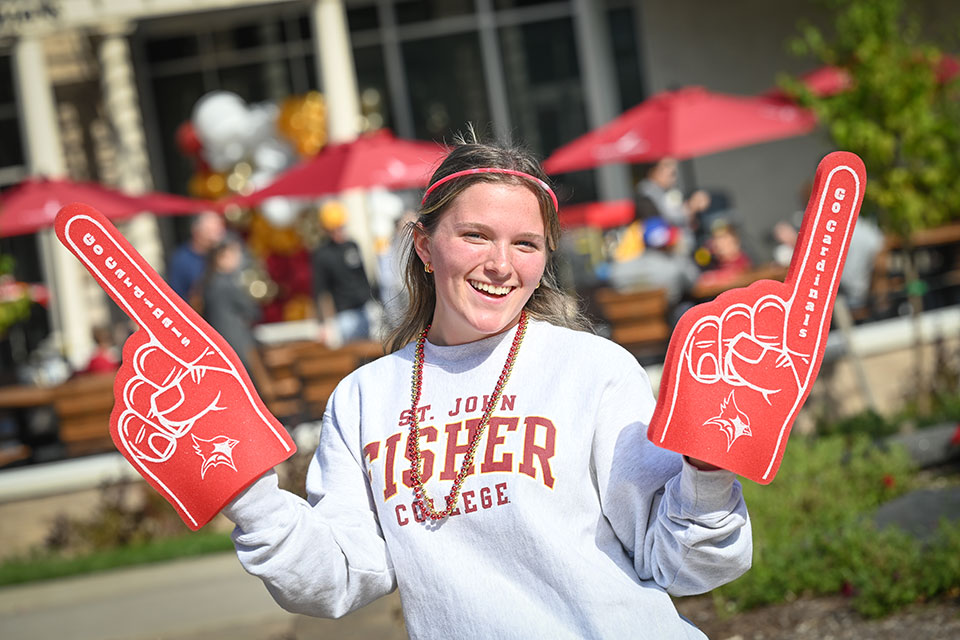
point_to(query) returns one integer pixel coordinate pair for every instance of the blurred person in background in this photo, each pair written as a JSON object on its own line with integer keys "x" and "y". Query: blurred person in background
{"x": 727, "y": 259}
{"x": 340, "y": 283}
{"x": 392, "y": 292}
{"x": 189, "y": 262}
{"x": 106, "y": 356}
{"x": 661, "y": 265}
{"x": 227, "y": 305}
{"x": 657, "y": 196}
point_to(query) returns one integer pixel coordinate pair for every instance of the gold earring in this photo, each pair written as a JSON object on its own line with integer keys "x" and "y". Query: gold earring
{"x": 428, "y": 268}
{"x": 539, "y": 282}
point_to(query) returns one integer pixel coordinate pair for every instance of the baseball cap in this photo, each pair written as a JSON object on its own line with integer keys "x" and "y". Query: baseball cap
{"x": 333, "y": 215}
{"x": 659, "y": 234}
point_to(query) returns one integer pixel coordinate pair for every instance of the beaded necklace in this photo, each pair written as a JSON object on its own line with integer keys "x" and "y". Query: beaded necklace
{"x": 413, "y": 438}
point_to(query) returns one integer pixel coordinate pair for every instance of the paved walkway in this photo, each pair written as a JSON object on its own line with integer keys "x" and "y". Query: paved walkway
{"x": 202, "y": 598}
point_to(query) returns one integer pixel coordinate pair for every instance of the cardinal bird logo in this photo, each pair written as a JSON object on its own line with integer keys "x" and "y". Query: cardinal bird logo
{"x": 215, "y": 452}
{"x": 733, "y": 422}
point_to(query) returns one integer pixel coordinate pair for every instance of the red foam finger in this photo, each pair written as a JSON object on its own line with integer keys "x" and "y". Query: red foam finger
{"x": 772, "y": 337}
{"x": 190, "y": 398}
{"x": 138, "y": 394}
{"x": 131, "y": 282}
{"x": 186, "y": 416}
{"x": 735, "y": 321}
{"x": 821, "y": 251}
{"x": 153, "y": 363}
{"x": 770, "y": 317}
{"x": 145, "y": 439}
{"x": 763, "y": 368}
{"x": 746, "y": 348}
{"x": 705, "y": 358}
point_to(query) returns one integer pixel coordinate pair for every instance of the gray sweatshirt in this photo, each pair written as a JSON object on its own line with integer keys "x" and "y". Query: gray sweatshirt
{"x": 572, "y": 524}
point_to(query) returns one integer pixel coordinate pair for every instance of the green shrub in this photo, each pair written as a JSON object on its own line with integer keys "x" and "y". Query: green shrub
{"x": 867, "y": 422}
{"x": 936, "y": 408}
{"x": 895, "y": 569}
{"x": 813, "y": 532}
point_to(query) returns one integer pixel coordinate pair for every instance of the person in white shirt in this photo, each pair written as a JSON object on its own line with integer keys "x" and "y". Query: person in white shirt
{"x": 494, "y": 467}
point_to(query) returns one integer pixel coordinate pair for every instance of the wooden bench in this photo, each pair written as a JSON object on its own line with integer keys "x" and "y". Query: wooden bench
{"x": 83, "y": 405}
{"x": 302, "y": 375}
{"x": 13, "y": 453}
{"x": 282, "y": 389}
{"x": 320, "y": 371}
{"x": 638, "y": 319}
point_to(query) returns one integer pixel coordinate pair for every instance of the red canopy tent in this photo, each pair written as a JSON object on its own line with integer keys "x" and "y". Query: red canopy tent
{"x": 605, "y": 215}
{"x": 374, "y": 160}
{"x": 32, "y": 205}
{"x": 684, "y": 123}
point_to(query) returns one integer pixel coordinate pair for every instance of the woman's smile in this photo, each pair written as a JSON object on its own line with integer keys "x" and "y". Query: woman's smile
{"x": 497, "y": 291}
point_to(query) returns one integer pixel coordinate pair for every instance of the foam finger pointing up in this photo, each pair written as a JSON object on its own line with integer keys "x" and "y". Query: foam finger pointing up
{"x": 821, "y": 250}
{"x": 131, "y": 282}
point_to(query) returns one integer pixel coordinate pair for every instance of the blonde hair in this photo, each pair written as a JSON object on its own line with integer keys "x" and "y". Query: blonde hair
{"x": 549, "y": 302}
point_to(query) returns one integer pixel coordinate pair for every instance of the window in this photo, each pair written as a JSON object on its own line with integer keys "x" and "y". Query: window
{"x": 12, "y": 160}
{"x": 409, "y": 11}
{"x": 259, "y": 60}
{"x": 626, "y": 59}
{"x": 446, "y": 85}
{"x": 545, "y": 94}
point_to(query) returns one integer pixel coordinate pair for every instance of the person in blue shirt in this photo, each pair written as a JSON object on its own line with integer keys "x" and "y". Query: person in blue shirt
{"x": 189, "y": 261}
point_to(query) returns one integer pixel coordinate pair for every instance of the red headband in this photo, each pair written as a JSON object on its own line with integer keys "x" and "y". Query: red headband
{"x": 509, "y": 172}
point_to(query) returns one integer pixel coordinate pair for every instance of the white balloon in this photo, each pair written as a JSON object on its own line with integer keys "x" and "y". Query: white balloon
{"x": 261, "y": 123}
{"x": 279, "y": 212}
{"x": 273, "y": 156}
{"x": 222, "y": 122}
{"x": 261, "y": 178}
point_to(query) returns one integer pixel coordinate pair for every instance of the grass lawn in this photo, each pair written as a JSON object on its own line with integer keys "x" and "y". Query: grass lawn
{"x": 44, "y": 566}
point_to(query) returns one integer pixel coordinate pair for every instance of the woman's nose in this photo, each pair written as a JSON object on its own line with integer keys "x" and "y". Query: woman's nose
{"x": 498, "y": 259}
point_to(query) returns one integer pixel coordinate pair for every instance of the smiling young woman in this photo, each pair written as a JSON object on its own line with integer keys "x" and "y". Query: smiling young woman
{"x": 494, "y": 466}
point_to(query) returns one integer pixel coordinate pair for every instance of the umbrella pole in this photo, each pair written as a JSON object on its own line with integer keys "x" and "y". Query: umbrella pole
{"x": 689, "y": 176}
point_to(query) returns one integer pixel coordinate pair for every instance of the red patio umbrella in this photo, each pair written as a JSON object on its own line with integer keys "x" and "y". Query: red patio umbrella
{"x": 374, "y": 160}
{"x": 684, "y": 123}
{"x": 32, "y": 205}
{"x": 824, "y": 81}
{"x": 830, "y": 80}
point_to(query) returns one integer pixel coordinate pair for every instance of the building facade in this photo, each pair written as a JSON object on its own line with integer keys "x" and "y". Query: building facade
{"x": 95, "y": 89}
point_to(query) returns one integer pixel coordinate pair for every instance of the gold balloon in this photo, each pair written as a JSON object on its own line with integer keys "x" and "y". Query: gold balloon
{"x": 216, "y": 185}
{"x": 196, "y": 187}
{"x": 303, "y": 121}
{"x": 259, "y": 234}
{"x": 297, "y": 308}
{"x": 284, "y": 242}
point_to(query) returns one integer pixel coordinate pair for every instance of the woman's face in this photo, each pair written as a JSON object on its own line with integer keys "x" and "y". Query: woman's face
{"x": 488, "y": 253}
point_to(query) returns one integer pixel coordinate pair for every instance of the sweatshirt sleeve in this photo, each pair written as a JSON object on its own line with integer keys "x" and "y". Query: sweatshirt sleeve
{"x": 687, "y": 529}
{"x": 324, "y": 556}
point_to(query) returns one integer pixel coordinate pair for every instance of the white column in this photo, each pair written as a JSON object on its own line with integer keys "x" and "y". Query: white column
{"x": 602, "y": 95}
{"x": 338, "y": 77}
{"x": 338, "y": 81}
{"x": 123, "y": 111}
{"x": 62, "y": 272}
